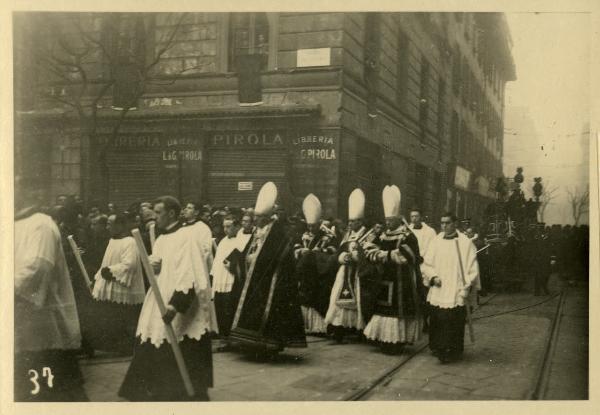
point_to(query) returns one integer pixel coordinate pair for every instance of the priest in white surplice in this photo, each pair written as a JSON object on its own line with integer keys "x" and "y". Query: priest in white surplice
{"x": 118, "y": 290}
{"x": 153, "y": 373}
{"x": 47, "y": 334}
{"x": 448, "y": 293}
{"x": 425, "y": 234}
{"x": 223, "y": 278}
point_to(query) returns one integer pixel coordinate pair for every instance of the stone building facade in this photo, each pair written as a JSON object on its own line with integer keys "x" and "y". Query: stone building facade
{"x": 325, "y": 103}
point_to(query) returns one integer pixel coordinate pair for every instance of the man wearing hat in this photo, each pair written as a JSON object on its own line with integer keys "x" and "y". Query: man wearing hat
{"x": 268, "y": 317}
{"x": 347, "y": 301}
{"x": 316, "y": 267}
{"x": 398, "y": 310}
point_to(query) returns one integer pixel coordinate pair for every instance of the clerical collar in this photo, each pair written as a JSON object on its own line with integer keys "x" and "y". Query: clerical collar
{"x": 188, "y": 223}
{"x": 171, "y": 228}
{"x": 419, "y": 226}
{"x": 453, "y": 236}
{"x": 26, "y": 212}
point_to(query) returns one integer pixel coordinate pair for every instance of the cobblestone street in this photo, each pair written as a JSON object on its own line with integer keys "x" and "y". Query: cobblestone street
{"x": 504, "y": 363}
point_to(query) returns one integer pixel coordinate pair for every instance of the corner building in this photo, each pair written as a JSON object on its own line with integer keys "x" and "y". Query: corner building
{"x": 326, "y": 103}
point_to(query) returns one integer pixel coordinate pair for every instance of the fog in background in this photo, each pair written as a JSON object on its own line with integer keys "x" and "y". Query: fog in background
{"x": 548, "y": 106}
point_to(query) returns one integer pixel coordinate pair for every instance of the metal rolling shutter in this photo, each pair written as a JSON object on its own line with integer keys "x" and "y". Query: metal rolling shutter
{"x": 133, "y": 177}
{"x": 228, "y": 167}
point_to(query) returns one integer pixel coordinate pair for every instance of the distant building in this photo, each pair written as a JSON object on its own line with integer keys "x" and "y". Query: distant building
{"x": 316, "y": 102}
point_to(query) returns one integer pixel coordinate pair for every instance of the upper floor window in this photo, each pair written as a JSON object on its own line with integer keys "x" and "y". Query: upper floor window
{"x": 424, "y": 95}
{"x": 441, "y": 109}
{"x": 402, "y": 66}
{"x": 249, "y": 35}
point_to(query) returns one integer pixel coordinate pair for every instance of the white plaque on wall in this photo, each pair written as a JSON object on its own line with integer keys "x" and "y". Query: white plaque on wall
{"x": 313, "y": 57}
{"x": 243, "y": 186}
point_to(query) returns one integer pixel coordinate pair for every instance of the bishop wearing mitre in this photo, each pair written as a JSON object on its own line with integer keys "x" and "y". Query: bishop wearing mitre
{"x": 316, "y": 267}
{"x": 349, "y": 305}
{"x": 397, "y": 318}
{"x": 268, "y": 316}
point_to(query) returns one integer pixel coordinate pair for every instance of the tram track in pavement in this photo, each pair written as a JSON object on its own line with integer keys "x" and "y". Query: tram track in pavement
{"x": 542, "y": 376}
{"x": 389, "y": 373}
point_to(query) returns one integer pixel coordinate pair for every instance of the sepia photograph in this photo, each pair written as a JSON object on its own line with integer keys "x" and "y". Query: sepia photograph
{"x": 300, "y": 206}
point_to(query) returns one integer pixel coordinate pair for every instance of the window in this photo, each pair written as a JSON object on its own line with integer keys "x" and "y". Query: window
{"x": 423, "y": 96}
{"x": 402, "y": 66}
{"x": 372, "y": 47}
{"x": 128, "y": 48}
{"x": 441, "y": 109}
{"x": 454, "y": 133}
{"x": 249, "y": 35}
{"x": 421, "y": 196}
{"x": 462, "y": 138}
{"x": 456, "y": 71}
{"x": 464, "y": 82}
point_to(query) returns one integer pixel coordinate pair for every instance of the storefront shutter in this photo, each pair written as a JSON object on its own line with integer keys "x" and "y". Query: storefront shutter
{"x": 133, "y": 177}
{"x": 235, "y": 176}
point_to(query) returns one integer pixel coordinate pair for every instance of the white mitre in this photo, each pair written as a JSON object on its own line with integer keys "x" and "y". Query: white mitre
{"x": 391, "y": 201}
{"x": 311, "y": 207}
{"x": 265, "y": 202}
{"x": 356, "y": 205}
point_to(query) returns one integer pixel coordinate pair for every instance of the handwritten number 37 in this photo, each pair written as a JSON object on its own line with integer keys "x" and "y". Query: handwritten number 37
{"x": 47, "y": 373}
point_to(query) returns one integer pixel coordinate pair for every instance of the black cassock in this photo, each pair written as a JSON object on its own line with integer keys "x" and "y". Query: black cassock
{"x": 268, "y": 314}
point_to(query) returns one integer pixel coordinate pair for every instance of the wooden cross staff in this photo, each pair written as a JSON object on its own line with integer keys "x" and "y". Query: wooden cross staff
{"x": 161, "y": 306}
{"x": 152, "y": 231}
{"x": 75, "y": 249}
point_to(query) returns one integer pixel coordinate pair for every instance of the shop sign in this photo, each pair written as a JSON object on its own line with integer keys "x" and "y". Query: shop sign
{"x": 183, "y": 155}
{"x": 321, "y": 146}
{"x": 462, "y": 178}
{"x": 265, "y": 138}
{"x": 245, "y": 186}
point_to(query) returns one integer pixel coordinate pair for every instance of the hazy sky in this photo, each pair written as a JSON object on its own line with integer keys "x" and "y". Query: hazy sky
{"x": 551, "y": 52}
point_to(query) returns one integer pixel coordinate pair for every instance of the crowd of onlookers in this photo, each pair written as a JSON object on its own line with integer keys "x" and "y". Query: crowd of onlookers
{"x": 567, "y": 246}
{"x": 89, "y": 226}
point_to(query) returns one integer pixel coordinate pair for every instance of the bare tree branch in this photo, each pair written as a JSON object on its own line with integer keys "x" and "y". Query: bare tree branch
{"x": 548, "y": 194}
{"x": 579, "y": 202}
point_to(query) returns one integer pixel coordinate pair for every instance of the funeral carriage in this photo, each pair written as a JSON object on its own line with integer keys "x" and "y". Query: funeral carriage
{"x": 506, "y": 257}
